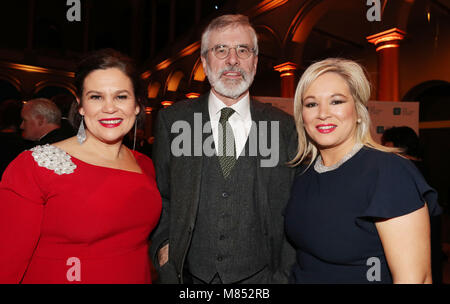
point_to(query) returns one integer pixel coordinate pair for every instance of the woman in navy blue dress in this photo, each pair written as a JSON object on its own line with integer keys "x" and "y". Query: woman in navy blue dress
{"x": 358, "y": 212}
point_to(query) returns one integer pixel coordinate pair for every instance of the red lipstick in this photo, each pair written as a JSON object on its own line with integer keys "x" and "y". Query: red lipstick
{"x": 110, "y": 122}
{"x": 326, "y": 128}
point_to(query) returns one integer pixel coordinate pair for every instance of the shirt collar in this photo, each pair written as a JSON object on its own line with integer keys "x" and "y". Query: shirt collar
{"x": 242, "y": 107}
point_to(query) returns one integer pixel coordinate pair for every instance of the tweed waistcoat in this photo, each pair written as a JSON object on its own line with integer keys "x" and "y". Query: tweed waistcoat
{"x": 228, "y": 238}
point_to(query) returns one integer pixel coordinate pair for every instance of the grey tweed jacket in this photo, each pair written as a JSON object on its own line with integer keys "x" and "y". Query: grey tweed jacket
{"x": 179, "y": 179}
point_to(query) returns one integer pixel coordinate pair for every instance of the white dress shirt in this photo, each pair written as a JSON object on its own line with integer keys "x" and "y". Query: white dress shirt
{"x": 240, "y": 121}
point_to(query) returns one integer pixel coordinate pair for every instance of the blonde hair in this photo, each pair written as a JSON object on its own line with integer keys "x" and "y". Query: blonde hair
{"x": 359, "y": 86}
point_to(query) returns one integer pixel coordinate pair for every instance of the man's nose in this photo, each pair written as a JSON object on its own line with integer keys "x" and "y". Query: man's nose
{"x": 232, "y": 58}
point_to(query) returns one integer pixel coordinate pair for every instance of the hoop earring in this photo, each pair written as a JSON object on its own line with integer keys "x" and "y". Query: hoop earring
{"x": 81, "y": 135}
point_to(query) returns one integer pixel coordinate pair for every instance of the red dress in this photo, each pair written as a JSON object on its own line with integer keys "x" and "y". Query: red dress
{"x": 87, "y": 226}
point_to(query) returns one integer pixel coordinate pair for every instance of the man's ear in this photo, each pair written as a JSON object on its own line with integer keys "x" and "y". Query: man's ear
{"x": 40, "y": 120}
{"x": 204, "y": 65}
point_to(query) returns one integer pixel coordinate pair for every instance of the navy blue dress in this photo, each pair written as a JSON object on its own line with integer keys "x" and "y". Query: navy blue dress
{"x": 330, "y": 217}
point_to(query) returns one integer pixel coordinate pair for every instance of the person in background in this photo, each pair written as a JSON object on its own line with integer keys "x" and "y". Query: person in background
{"x": 81, "y": 210}
{"x": 64, "y": 103}
{"x": 222, "y": 219}
{"x": 358, "y": 213}
{"x": 41, "y": 122}
{"x": 11, "y": 142}
{"x": 407, "y": 140}
{"x": 138, "y": 142}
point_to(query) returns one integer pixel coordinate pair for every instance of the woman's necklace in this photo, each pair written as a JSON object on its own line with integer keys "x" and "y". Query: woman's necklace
{"x": 321, "y": 168}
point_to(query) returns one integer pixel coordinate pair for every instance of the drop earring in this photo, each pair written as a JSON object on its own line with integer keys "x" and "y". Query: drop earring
{"x": 81, "y": 135}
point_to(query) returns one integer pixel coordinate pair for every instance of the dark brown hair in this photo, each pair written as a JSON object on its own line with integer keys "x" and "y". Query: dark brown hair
{"x": 105, "y": 59}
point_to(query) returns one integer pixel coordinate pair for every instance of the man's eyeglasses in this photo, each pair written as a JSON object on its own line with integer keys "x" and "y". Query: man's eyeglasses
{"x": 242, "y": 51}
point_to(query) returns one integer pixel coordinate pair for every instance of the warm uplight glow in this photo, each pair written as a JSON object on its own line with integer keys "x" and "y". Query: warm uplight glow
{"x": 166, "y": 103}
{"x": 265, "y": 6}
{"x": 189, "y": 49}
{"x": 164, "y": 64}
{"x": 192, "y": 95}
{"x": 386, "y": 46}
{"x": 153, "y": 89}
{"x": 146, "y": 75}
{"x": 184, "y": 52}
{"x": 287, "y": 66}
{"x": 148, "y": 110}
{"x": 286, "y": 69}
{"x": 35, "y": 69}
{"x": 287, "y": 74}
{"x": 199, "y": 74}
{"x": 174, "y": 81}
{"x": 393, "y": 35}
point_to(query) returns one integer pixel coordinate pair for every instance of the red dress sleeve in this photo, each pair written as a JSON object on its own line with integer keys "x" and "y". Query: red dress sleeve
{"x": 21, "y": 210}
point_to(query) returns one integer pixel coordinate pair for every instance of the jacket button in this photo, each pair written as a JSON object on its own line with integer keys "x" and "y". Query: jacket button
{"x": 222, "y": 237}
{"x": 225, "y": 194}
{"x": 219, "y": 259}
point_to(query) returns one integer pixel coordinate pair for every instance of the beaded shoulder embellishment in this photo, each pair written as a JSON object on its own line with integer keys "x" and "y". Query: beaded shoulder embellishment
{"x": 53, "y": 158}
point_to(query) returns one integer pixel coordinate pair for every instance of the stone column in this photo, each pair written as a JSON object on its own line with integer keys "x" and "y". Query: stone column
{"x": 387, "y": 46}
{"x": 287, "y": 74}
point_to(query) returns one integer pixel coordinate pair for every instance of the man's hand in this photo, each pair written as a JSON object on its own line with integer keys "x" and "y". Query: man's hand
{"x": 163, "y": 255}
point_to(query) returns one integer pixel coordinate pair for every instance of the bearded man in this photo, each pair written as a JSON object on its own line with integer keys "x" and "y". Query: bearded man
{"x": 222, "y": 218}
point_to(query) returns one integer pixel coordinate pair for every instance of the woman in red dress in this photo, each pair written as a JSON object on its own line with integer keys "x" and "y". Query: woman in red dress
{"x": 81, "y": 210}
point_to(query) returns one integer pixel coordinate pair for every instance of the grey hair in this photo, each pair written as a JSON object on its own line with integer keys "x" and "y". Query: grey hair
{"x": 355, "y": 76}
{"x": 45, "y": 108}
{"x": 221, "y": 23}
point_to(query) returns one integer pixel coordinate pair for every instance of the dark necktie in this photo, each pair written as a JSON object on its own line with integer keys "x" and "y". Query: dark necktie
{"x": 227, "y": 158}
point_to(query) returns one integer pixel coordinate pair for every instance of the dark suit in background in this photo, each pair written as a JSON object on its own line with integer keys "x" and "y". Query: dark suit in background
{"x": 62, "y": 133}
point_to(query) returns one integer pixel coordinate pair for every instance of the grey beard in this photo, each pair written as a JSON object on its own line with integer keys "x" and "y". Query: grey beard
{"x": 230, "y": 88}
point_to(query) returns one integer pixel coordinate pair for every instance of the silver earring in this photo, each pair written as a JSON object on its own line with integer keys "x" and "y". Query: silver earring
{"x": 358, "y": 120}
{"x": 81, "y": 135}
{"x": 135, "y": 127}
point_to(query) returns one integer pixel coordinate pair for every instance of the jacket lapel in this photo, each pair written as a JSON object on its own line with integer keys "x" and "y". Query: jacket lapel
{"x": 194, "y": 164}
